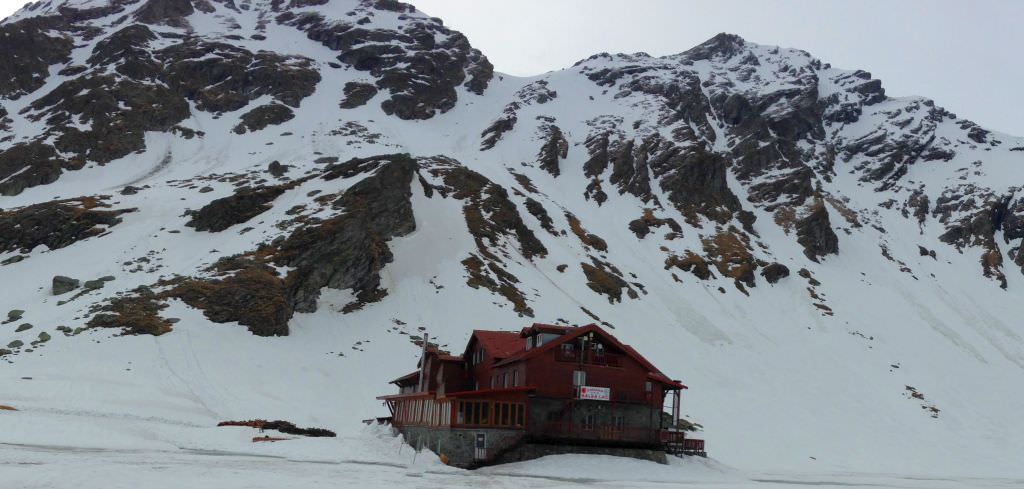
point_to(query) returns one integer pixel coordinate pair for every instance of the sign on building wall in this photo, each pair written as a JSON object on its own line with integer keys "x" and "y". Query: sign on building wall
{"x": 595, "y": 393}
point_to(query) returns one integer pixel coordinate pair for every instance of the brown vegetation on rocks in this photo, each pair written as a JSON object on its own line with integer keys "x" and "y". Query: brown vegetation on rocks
{"x": 135, "y": 313}
{"x": 56, "y": 224}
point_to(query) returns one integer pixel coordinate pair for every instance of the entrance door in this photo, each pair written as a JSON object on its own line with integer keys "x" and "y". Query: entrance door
{"x": 480, "y": 451}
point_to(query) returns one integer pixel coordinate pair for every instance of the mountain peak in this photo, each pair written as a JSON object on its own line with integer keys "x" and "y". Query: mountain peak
{"x": 722, "y": 46}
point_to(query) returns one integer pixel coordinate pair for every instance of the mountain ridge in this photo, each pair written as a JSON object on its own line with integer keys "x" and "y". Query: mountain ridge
{"x": 778, "y": 231}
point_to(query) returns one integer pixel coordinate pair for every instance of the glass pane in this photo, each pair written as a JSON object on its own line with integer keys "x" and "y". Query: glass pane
{"x": 485, "y": 416}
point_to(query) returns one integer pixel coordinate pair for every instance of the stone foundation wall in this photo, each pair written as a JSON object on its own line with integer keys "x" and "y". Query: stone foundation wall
{"x": 458, "y": 444}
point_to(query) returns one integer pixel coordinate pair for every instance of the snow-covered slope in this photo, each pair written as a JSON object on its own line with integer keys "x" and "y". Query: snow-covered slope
{"x": 282, "y": 196}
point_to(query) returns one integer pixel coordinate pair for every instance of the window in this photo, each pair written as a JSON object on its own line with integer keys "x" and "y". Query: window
{"x": 588, "y": 422}
{"x": 504, "y": 380}
{"x": 515, "y": 378}
{"x": 579, "y": 377}
{"x": 504, "y": 419}
{"x": 619, "y": 423}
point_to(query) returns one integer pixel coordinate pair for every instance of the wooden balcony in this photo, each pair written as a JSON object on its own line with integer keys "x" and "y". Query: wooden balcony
{"x": 589, "y": 357}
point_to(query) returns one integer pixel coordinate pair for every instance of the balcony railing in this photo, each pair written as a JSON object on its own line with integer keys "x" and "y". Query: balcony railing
{"x": 589, "y": 357}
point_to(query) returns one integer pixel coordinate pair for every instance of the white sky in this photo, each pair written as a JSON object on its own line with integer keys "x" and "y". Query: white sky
{"x": 967, "y": 55}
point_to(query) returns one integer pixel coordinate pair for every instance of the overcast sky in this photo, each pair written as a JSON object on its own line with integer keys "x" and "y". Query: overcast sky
{"x": 967, "y": 55}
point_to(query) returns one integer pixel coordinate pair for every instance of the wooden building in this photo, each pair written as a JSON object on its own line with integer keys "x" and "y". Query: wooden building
{"x": 546, "y": 389}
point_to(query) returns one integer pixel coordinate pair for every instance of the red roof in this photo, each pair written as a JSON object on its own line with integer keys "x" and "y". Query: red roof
{"x": 545, "y": 328}
{"x": 654, "y": 373}
{"x": 500, "y": 344}
{"x": 409, "y": 376}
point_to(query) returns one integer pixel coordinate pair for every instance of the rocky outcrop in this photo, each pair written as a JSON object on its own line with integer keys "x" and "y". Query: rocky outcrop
{"x": 974, "y": 216}
{"x": 538, "y": 211}
{"x": 101, "y": 116}
{"x": 29, "y": 164}
{"x": 492, "y": 219}
{"x": 605, "y": 279}
{"x": 533, "y": 93}
{"x": 225, "y": 212}
{"x": 420, "y": 65}
{"x": 265, "y": 115}
{"x": 642, "y": 225}
{"x": 774, "y": 272}
{"x": 135, "y": 313}
{"x": 30, "y": 48}
{"x": 169, "y": 12}
{"x": 349, "y": 250}
{"x": 346, "y": 251}
{"x": 814, "y": 232}
{"x": 56, "y": 224}
{"x": 357, "y": 94}
{"x": 729, "y": 251}
{"x": 254, "y": 296}
{"x": 554, "y": 149}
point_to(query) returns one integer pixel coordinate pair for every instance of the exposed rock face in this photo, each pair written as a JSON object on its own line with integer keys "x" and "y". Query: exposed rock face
{"x": 254, "y": 297}
{"x": 29, "y": 164}
{"x": 538, "y": 211}
{"x": 974, "y": 216}
{"x": 348, "y": 251}
{"x": 420, "y": 65}
{"x": 555, "y": 148}
{"x": 729, "y": 251}
{"x": 533, "y": 93}
{"x": 489, "y": 213}
{"x": 357, "y": 94}
{"x": 168, "y": 12}
{"x": 132, "y": 87}
{"x": 263, "y": 116}
{"x": 225, "y": 212}
{"x": 814, "y": 232}
{"x": 774, "y": 272}
{"x": 491, "y": 218}
{"x": 642, "y": 225}
{"x": 29, "y": 50}
{"x": 56, "y": 224}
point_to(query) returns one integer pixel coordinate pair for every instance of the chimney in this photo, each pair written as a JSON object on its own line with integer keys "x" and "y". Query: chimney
{"x": 423, "y": 364}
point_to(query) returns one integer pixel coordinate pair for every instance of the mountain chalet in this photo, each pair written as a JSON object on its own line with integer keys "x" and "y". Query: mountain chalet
{"x": 544, "y": 390}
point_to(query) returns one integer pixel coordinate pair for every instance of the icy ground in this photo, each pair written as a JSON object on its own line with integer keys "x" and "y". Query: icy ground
{"x": 112, "y": 453}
